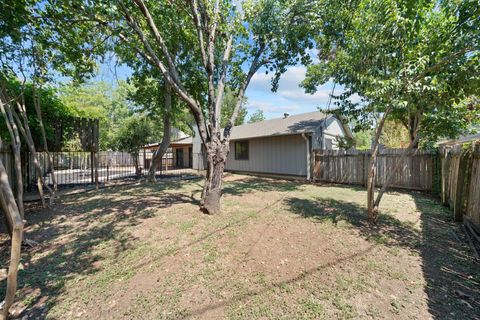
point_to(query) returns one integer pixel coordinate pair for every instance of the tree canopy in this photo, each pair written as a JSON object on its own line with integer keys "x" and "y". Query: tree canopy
{"x": 133, "y": 133}
{"x": 415, "y": 62}
{"x": 257, "y": 116}
{"x": 100, "y": 100}
{"x": 220, "y": 44}
{"x": 387, "y": 53}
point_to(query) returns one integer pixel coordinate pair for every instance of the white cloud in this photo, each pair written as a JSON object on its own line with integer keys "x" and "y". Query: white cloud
{"x": 272, "y": 107}
{"x": 289, "y": 87}
{"x": 291, "y": 78}
{"x": 317, "y": 97}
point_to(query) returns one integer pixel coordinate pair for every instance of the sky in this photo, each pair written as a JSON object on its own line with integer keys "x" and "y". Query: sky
{"x": 289, "y": 98}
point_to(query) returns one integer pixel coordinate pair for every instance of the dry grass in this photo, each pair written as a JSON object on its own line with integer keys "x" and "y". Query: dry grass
{"x": 279, "y": 250}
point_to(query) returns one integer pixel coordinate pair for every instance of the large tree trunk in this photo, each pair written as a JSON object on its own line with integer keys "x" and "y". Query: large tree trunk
{"x": 8, "y": 204}
{"x": 372, "y": 210}
{"x": 167, "y": 128}
{"x": 25, "y": 130}
{"x": 135, "y": 163}
{"x": 411, "y": 149}
{"x": 217, "y": 152}
{"x": 412, "y": 130}
{"x": 16, "y": 147}
{"x": 19, "y": 180}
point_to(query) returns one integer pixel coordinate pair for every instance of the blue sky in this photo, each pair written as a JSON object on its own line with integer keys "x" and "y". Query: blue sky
{"x": 289, "y": 97}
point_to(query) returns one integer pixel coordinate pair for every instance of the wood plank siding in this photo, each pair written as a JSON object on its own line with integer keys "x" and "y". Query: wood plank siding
{"x": 275, "y": 155}
{"x": 418, "y": 172}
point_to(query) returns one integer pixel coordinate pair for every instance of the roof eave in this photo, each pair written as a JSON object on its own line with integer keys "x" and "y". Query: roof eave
{"x": 271, "y": 135}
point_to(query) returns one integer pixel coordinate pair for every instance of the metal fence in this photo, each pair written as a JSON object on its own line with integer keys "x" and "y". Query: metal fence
{"x": 79, "y": 168}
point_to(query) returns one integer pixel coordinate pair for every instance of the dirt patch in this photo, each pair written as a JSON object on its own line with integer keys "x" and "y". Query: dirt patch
{"x": 279, "y": 250}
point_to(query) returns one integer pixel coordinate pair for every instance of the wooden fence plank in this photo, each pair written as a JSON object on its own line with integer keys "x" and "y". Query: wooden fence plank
{"x": 352, "y": 166}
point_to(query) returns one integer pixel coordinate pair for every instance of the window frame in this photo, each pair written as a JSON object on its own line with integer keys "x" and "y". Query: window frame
{"x": 237, "y": 156}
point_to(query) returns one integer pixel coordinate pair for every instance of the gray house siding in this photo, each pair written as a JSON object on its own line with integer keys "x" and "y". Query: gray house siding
{"x": 198, "y": 157}
{"x": 282, "y": 150}
{"x": 275, "y": 155}
{"x": 333, "y": 130}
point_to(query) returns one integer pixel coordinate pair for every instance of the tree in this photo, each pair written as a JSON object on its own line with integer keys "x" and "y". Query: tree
{"x": 135, "y": 132}
{"x": 363, "y": 139}
{"x": 28, "y": 48}
{"x": 257, "y": 116}
{"x": 395, "y": 135}
{"x": 231, "y": 41}
{"x": 100, "y": 100}
{"x": 228, "y": 107}
{"x": 156, "y": 99}
{"x": 413, "y": 62}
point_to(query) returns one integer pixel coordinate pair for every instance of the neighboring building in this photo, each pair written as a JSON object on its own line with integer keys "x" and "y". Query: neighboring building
{"x": 182, "y": 152}
{"x": 278, "y": 146}
{"x": 461, "y": 140}
{"x": 178, "y": 155}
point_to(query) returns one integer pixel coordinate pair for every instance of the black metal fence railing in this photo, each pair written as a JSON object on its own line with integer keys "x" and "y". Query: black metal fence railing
{"x": 78, "y": 168}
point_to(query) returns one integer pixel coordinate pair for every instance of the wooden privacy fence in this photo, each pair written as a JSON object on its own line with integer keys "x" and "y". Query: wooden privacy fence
{"x": 461, "y": 181}
{"x": 419, "y": 171}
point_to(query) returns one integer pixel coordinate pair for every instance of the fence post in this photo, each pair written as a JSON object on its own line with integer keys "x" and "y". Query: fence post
{"x": 96, "y": 148}
{"x": 366, "y": 165}
{"x": 92, "y": 173}
{"x": 459, "y": 188}
{"x": 444, "y": 175}
{"x": 96, "y": 169}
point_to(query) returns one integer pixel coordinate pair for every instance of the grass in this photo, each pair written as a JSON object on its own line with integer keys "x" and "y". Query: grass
{"x": 279, "y": 250}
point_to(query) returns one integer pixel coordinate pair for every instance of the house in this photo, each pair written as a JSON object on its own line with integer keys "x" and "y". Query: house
{"x": 460, "y": 140}
{"x": 178, "y": 155}
{"x": 280, "y": 146}
{"x": 182, "y": 152}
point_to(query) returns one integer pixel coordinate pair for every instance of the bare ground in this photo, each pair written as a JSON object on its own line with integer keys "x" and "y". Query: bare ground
{"x": 279, "y": 250}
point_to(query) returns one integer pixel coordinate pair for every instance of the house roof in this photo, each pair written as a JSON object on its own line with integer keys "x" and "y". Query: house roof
{"x": 183, "y": 141}
{"x": 293, "y": 124}
{"x": 463, "y": 139}
{"x": 186, "y": 140}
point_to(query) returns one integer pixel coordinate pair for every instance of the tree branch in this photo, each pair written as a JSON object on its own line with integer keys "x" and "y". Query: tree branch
{"x": 158, "y": 37}
{"x": 241, "y": 92}
{"x": 196, "y": 19}
{"x": 221, "y": 84}
{"x": 176, "y": 85}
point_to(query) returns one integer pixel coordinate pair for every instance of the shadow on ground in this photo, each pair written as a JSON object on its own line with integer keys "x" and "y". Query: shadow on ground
{"x": 252, "y": 184}
{"x": 452, "y": 275}
{"x": 85, "y": 221}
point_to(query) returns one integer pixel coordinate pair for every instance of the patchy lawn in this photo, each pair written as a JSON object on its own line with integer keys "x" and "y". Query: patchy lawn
{"x": 279, "y": 250}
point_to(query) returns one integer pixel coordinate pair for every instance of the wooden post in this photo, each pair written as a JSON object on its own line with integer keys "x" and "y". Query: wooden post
{"x": 96, "y": 147}
{"x": 469, "y": 168}
{"x": 92, "y": 171}
{"x": 444, "y": 175}
{"x": 458, "y": 204}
